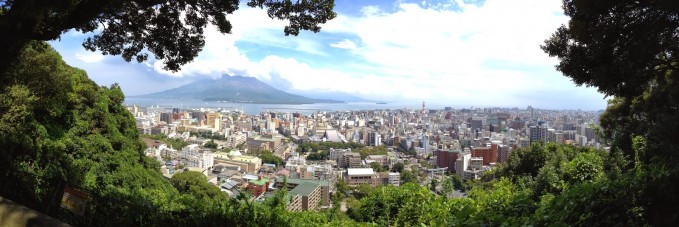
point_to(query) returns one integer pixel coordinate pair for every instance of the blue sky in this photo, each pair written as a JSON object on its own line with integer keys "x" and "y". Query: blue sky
{"x": 454, "y": 52}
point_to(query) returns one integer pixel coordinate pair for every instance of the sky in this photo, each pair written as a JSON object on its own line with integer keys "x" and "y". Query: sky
{"x": 448, "y": 52}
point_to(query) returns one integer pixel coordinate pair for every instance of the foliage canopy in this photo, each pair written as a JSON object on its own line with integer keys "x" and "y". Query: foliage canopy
{"x": 171, "y": 30}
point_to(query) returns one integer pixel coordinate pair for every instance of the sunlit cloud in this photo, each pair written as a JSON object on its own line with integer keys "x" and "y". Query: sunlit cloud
{"x": 89, "y": 57}
{"x": 344, "y": 44}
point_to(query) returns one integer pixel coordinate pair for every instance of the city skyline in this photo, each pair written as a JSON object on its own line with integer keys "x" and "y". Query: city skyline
{"x": 484, "y": 53}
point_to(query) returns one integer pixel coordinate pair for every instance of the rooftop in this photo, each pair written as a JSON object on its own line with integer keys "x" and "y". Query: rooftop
{"x": 302, "y": 181}
{"x": 305, "y": 189}
{"x": 263, "y": 138}
{"x": 260, "y": 182}
{"x": 360, "y": 171}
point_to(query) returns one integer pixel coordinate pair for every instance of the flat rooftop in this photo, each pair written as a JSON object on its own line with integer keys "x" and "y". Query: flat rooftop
{"x": 360, "y": 171}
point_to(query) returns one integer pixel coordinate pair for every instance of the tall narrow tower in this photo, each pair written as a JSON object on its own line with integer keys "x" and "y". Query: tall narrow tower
{"x": 424, "y": 111}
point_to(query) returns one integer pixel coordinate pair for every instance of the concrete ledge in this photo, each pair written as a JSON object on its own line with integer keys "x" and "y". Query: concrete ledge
{"x": 16, "y": 215}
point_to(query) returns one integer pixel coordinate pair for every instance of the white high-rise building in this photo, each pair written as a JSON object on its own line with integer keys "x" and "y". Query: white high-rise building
{"x": 196, "y": 157}
{"x": 375, "y": 139}
{"x": 462, "y": 163}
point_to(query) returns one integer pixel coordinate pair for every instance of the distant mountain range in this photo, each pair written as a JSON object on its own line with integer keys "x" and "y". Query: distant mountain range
{"x": 235, "y": 89}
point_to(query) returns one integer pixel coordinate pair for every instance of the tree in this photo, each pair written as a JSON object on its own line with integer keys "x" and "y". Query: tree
{"x": 363, "y": 190}
{"x": 342, "y": 188}
{"x": 211, "y": 144}
{"x": 269, "y": 157}
{"x": 240, "y": 146}
{"x": 457, "y": 183}
{"x": 526, "y": 161}
{"x": 407, "y": 205}
{"x": 174, "y": 143}
{"x": 379, "y": 150}
{"x": 447, "y": 185}
{"x": 628, "y": 50}
{"x": 171, "y": 30}
{"x": 433, "y": 184}
{"x": 318, "y": 155}
{"x": 377, "y": 167}
{"x": 407, "y": 176}
{"x": 195, "y": 183}
{"x": 397, "y": 168}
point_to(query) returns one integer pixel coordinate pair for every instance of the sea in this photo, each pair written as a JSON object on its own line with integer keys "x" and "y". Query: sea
{"x": 252, "y": 108}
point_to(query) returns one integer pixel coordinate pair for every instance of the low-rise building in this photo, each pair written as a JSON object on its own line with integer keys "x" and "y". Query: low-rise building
{"x": 382, "y": 160}
{"x": 359, "y": 176}
{"x": 258, "y": 187}
{"x": 472, "y": 174}
{"x": 247, "y": 163}
{"x": 395, "y": 179}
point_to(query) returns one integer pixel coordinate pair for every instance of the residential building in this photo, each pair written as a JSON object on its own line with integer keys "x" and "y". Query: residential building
{"x": 489, "y": 153}
{"x": 395, "y": 179}
{"x": 383, "y": 160}
{"x": 537, "y": 134}
{"x": 503, "y": 153}
{"x": 197, "y": 157}
{"x": 235, "y": 139}
{"x": 336, "y": 154}
{"x": 324, "y": 188}
{"x": 214, "y": 120}
{"x": 462, "y": 163}
{"x": 256, "y": 147}
{"x": 350, "y": 160}
{"x": 375, "y": 139}
{"x": 471, "y": 174}
{"x": 306, "y": 196}
{"x": 260, "y": 143}
{"x": 446, "y": 158}
{"x": 476, "y": 163}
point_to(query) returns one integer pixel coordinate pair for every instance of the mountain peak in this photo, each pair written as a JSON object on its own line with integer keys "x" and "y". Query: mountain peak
{"x": 238, "y": 89}
{"x": 236, "y": 77}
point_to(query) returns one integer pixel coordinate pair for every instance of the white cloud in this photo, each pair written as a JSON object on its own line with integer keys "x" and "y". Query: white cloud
{"x": 485, "y": 54}
{"x": 344, "y": 44}
{"x": 89, "y": 57}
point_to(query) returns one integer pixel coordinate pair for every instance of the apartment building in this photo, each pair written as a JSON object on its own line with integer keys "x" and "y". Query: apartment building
{"x": 197, "y": 157}
{"x": 350, "y": 160}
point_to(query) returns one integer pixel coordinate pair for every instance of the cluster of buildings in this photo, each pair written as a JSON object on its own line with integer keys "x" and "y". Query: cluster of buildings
{"x": 466, "y": 142}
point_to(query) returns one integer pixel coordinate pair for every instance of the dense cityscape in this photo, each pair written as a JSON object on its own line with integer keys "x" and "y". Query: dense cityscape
{"x": 339, "y": 113}
{"x": 235, "y": 150}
